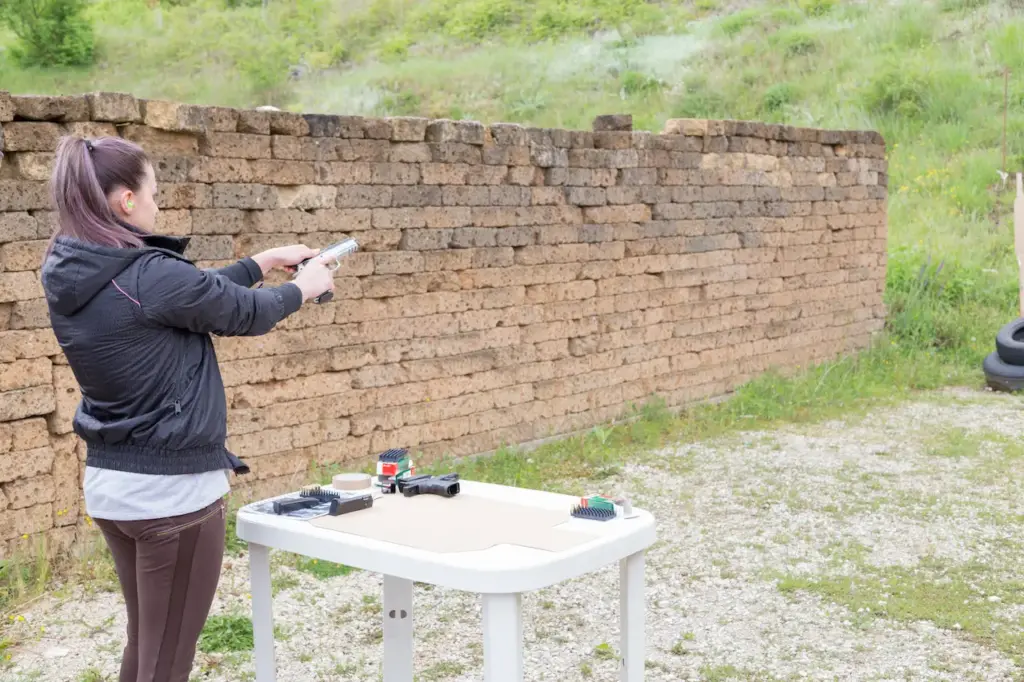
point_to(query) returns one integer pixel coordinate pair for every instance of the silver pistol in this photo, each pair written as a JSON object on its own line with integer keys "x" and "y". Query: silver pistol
{"x": 334, "y": 253}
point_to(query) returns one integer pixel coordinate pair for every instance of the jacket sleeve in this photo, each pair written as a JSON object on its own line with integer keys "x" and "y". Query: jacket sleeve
{"x": 177, "y": 294}
{"x": 244, "y": 272}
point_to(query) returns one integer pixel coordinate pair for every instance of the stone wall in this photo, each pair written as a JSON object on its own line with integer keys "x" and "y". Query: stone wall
{"x": 513, "y": 283}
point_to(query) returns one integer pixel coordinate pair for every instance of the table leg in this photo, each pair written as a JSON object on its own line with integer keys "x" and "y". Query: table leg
{"x": 397, "y": 629}
{"x": 503, "y": 638}
{"x": 262, "y": 612}
{"x": 631, "y": 614}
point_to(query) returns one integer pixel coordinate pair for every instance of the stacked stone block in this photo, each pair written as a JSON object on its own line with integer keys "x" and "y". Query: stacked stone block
{"x": 513, "y": 283}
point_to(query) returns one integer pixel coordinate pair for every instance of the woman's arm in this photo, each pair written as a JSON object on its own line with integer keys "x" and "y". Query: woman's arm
{"x": 244, "y": 272}
{"x": 175, "y": 293}
{"x": 252, "y": 269}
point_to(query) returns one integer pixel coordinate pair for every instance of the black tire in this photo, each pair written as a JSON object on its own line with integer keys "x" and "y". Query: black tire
{"x": 1010, "y": 342}
{"x": 1001, "y": 376}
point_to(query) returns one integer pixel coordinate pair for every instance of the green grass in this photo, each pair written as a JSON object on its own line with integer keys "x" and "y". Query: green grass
{"x": 233, "y": 545}
{"x": 721, "y": 673}
{"x": 956, "y": 442}
{"x": 442, "y": 670}
{"x": 322, "y": 569}
{"x": 21, "y": 577}
{"x": 226, "y": 633}
{"x": 965, "y": 599}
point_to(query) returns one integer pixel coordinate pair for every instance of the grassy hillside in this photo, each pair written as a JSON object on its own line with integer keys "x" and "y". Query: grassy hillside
{"x": 927, "y": 74}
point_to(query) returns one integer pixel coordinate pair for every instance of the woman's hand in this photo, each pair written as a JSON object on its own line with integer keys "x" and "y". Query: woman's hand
{"x": 286, "y": 257}
{"x": 314, "y": 279}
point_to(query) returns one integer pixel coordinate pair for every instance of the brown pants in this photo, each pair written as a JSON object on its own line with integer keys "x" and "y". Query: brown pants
{"x": 169, "y": 569}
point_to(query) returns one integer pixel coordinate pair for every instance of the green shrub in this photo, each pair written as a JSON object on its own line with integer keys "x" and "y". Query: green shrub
{"x": 474, "y": 21}
{"x": 796, "y": 41}
{"x": 782, "y": 16}
{"x": 50, "y": 33}
{"x": 817, "y": 8}
{"x": 924, "y": 89}
{"x": 910, "y": 28}
{"x": 1008, "y": 45}
{"x": 700, "y": 100}
{"x": 395, "y": 48}
{"x": 734, "y": 24}
{"x": 897, "y": 91}
{"x": 636, "y": 83}
{"x": 399, "y": 102}
{"x": 777, "y": 96}
{"x": 937, "y": 303}
{"x": 961, "y": 5}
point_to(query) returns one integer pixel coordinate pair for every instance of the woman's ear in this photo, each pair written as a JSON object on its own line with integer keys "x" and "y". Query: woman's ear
{"x": 127, "y": 202}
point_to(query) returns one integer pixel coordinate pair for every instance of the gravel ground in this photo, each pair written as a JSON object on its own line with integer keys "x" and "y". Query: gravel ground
{"x": 918, "y": 504}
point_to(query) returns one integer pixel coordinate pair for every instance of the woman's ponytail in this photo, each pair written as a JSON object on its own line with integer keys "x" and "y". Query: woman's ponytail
{"x": 84, "y": 173}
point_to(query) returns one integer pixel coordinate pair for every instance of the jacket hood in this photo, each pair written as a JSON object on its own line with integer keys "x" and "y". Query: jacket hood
{"x": 75, "y": 271}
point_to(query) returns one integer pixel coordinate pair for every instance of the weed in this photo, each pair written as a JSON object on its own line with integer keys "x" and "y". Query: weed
{"x": 27, "y": 572}
{"x": 233, "y": 545}
{"x": 442, "y": 670}
{"x": 961, "y": 5}
{"x": 371, "y": 605}
{"x": 92, "y": 675}
{"x": 796, "y": 41}
{"x": 954, "y": 443}
{"x": 962, "y": 598}
{"x": 604, "y": 651}
{"x": 777, "y": 96}
{"x": 722, "y": 673}
{"x": 225, "y": 633}
{"x": 374, "y": 636}
{"x": 1008, "y": 44}
{"x": 679, "y": 648}
{"x": 345, "y": 668}
{"x": 817, "y": 8}
{"x": 635, "y": 83}
{"x": 321, "y": 569}
{"x": 20, "y": 578}
{"x": 282, "y": 582}
{"x": 733, "y": 24}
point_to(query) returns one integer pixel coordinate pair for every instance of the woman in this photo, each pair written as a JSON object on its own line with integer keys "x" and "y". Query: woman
{"x": 134, "y": 318}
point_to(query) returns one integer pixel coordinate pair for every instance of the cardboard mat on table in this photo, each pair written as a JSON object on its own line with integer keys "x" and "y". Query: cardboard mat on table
{"x": 457, "y": 524}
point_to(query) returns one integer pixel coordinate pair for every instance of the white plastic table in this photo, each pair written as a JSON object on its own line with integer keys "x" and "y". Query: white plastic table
{"x": 500, "y": 574}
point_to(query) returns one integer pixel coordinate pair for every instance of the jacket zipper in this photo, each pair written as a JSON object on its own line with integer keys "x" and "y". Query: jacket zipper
{"x": 177, "y": 401}
{"x": 180, "y": 392}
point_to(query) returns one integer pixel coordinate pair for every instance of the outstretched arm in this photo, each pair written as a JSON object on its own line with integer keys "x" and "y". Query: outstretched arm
{"x": 177, "y": 294}
{"x": 252, "y": 269}
{"x": 244, "y": 272}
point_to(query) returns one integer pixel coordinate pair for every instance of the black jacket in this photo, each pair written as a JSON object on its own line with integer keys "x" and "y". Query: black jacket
{"x": 135, "y": 325}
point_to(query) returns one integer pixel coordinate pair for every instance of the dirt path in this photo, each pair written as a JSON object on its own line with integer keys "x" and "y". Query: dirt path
{"x": 883, "y": 548}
